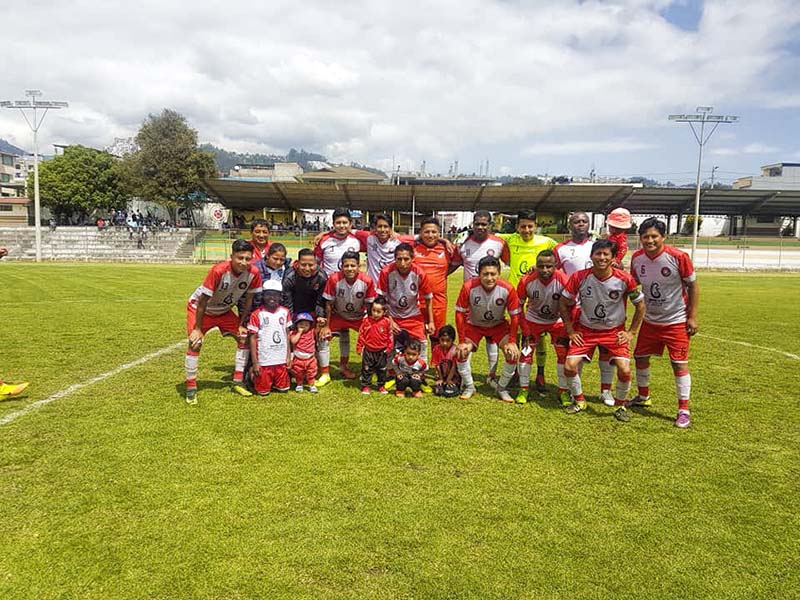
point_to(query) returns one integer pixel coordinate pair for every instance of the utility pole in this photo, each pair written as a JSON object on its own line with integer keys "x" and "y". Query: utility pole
{"x": 702, "y": 116}
{"x": 34, "y": 124}
{"x": 713, "y": 170}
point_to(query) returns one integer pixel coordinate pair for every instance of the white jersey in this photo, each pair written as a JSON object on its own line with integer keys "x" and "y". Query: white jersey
{"x": 541, "y": 298}
{"x": 272, "y": 329}
{"x": 350, "y": 300}
{"x": 224, "y": 287}
{"x": 572, "y": 257}
{"x": 470, "y": 252}
{"x": 487, "y": 308}
{"x": 664, "y": 278}
{"x": 603, "y": 301}
{"x": 330, "y": 249}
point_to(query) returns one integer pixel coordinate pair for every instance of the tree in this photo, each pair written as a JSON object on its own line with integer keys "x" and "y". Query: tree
{"x": 168, "y": 168}
{"x": 80, "y": 180}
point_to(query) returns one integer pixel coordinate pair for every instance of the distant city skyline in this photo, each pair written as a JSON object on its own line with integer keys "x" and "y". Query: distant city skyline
{"x": 534, "y": 87}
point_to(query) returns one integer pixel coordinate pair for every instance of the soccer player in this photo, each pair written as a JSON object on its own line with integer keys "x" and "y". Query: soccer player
{"x": 211, "y": 306}
{"x": 380, "y": 243}
{"x": 405, "y": 286}
{"x": 603, "y": 292}
{"x": 259, "y": 238}
{"x": 480, "y": 313}
{"x": 375, "y": 343}
{"x": 480, "y": 243}
{"x": 670, "y": 290}
{"x": 348, "y": 293}
{"x": 333, "y": 244}
{"x": 269, "y": 342}
{"x": 434, "y": 258}
{"x": 540, "y": 290}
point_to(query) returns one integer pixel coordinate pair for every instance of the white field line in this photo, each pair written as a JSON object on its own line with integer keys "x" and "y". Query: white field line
{"x": 74, "y": 388}
{"x": 749, "y": 345}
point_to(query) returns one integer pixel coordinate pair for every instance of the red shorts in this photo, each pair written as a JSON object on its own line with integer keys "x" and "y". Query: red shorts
{"x": 537, "y": 330}
{"x": 276, "y": 376}
{"x": 337, "y": 323}
{"x": 592, "y": 338}
{"x": 304, "y": 369}
{"x": 652, "y": 339}
{"x": 415, "y": 326}
{"x": 494, "y": 334}
{"x": 228, "y": 322}
{"x": 439, "y": 311}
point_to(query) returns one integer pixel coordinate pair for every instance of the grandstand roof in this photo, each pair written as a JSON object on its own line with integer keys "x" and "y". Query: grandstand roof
{"x": 509, "y": 199}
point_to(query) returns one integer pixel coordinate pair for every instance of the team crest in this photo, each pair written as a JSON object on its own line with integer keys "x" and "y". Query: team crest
{"x": 556, "y": 297}
{"x": 281, "y": 321}
{"x": 614, "y": 294}
{"x": 490, "y": 252}
{"x": 413, "y": 287}
{"x": 242, "y": 285}
{"x": 666, "y": 271}
{"x": 500, "y": 301}
{"x": 359, "y": 295}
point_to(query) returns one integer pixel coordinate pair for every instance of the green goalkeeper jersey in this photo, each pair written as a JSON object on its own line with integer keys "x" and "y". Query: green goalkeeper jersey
{"x": 520, "y": 255}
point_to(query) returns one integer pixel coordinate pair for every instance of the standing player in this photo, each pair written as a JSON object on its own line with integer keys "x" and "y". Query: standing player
{"x": 541, "y": 291}
{"x": 259, "y": 238}
{"x": 269, "y": 342}
{"x": 348, "y": 293}
{"x": 480, "y": 243}
{"x": 433, "y": 257}
{"x": 671, "y": 295}
{"x": 405, "y": 286}
{"x": 481, "y": 313}
{"x": 603, "y": 291}
{"x": 333, "y": 244}
{"x": 380, "y": 244}
{"x": 210, "y": 306}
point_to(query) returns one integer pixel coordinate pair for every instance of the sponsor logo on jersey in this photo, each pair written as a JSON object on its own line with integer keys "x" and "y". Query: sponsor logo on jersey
{"x": 600, "y": 311}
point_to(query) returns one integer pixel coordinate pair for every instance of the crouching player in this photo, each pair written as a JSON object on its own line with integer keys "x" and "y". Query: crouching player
{"x": 541, "y": 289}
{"x": 480, "y": 313}
{"x": 603, "y": 291}
{"x": 410, "y": 368}
{"x": 269, "y": 342}
{"x": 211, "y": 306}
{"x": 443, "y": 359}
{"x": 671, "y": 296}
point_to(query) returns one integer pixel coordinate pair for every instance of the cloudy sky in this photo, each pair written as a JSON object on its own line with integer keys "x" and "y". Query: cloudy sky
{"x": 552, "y": 87}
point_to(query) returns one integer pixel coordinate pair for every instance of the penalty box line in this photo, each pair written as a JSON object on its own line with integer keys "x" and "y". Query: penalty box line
{"x": 102, "y": 377}
{"x": 749, "y": 345}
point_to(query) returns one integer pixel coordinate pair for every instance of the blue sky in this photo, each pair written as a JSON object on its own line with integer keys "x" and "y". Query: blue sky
{"x": 533, "y": 86}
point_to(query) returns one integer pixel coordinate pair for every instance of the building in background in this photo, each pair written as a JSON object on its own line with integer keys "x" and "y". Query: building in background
{"x": 777, "y": 176}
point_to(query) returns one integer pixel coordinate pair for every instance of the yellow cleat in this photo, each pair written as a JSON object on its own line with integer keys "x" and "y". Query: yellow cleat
{"x": 389, "y": 384}
{"x": 426, "y": 388}
{"x": 12, "y": 389}
{"x": 239, "y": 388}
{"x": 324, "y": 379}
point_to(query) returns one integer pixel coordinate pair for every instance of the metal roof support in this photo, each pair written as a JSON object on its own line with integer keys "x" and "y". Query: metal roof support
{"x": 612, "y": 201}
{"x": 478, "y": 197}
{"x": 759, "y": 204}
{"x": 347, "y": 196}
{"x": 547, "y": 195}
{"x": 282, "y": 195}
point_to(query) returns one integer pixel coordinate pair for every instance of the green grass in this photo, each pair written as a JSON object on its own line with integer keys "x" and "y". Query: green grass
{"x": 121, "y": 490}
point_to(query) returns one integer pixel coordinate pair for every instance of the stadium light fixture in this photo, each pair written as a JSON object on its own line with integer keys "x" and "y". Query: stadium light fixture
{"x": 34, "y": 123}
{"x": 703, "y": 115}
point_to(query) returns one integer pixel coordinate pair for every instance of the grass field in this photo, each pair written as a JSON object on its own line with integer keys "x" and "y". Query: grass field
{"x": 121, "y": 490}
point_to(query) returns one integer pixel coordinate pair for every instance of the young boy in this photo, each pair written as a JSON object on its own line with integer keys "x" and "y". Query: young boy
{"x": 541, "y": 290}
{"x": 410, "y": 370}
{"x": 304, "y": 361}
{"x": 670, "y": 291}
{"x": 480, "y": 313}
{"x": 333, "y": 244}
{"x": 405, "y": 287}
{"x": 375, "y": 342}
{"x": 603, "y": 292}
{"x": 619, "y": 222}
{"x": 348, "y": 293}
{"x": 443, "y": 358}
{"x": 269, "y": 342}
{"x": 211, "y": 306}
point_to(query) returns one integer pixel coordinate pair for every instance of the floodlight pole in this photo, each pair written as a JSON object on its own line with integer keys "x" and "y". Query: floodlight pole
{"x": 703, "y": 116}
{"x": 34, "y": 125}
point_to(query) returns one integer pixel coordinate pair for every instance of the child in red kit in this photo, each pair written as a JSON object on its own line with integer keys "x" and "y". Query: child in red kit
{"x": 410, "y": 369}
{"x": 443, "y": 358}
{"x": 304, "y": 361}
{"x": 619, "y": 222}
{"x": 269, "y": 342}
{"x": 375, "y": 342}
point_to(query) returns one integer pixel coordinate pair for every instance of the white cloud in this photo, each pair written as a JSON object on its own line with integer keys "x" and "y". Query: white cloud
{"x": 585, "y": 147}
{"x": 753, "y": 148}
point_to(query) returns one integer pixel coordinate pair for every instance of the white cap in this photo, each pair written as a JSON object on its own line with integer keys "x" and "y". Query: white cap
{"x": 272, "y": 285}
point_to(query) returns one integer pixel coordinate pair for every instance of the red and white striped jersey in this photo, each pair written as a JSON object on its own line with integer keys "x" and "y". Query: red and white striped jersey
{"x": 602, "y": 301}
{"x": 572, "y": 257}
{"x": 330, "y": 249}
{"x": 350, "y": 299}
{"x": 404, "y": 293}
{"x": 487, "y": 308}
{"x": 664, "y": 278}
{"x": 541, "y": 296}
{"x": 470, "y": 252}
{"x": 225, "y": 287}
{"x": 272, "y": 329}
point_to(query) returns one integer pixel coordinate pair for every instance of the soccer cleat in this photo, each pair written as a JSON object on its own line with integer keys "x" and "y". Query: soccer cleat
{"x": 12, "y": 389}
{"x": 522, "y": 396}
{"x": 239, "y": 388}
{"x": 426, "y": 388}
{"x": 565, "y": 398}
{"x": 263, "y": 394}
{"x": 347, "y": 373}
{"x": 313, "y": 389}
{"x": 383, "y": 390}
{"x": 365, "y": 389}
{"x": 417, "y": 394}
{"x": 622, "y": 414}
{"x": 323, "y": 379}
{"x": 540, "y": 386}
{"x": 607, "y": 398}
{"x": 299, "y": 388}
{"x": 683, "y": 420}
{"x": 400, "y": 394}
{"x": 467, "y": 392}
{"x": 389, "y": 384}
{"x": 504, "y": 395}
{"x": 575, "y": 407}
{"x": 640, "y": 401}
{"x": 191, "y": 396}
